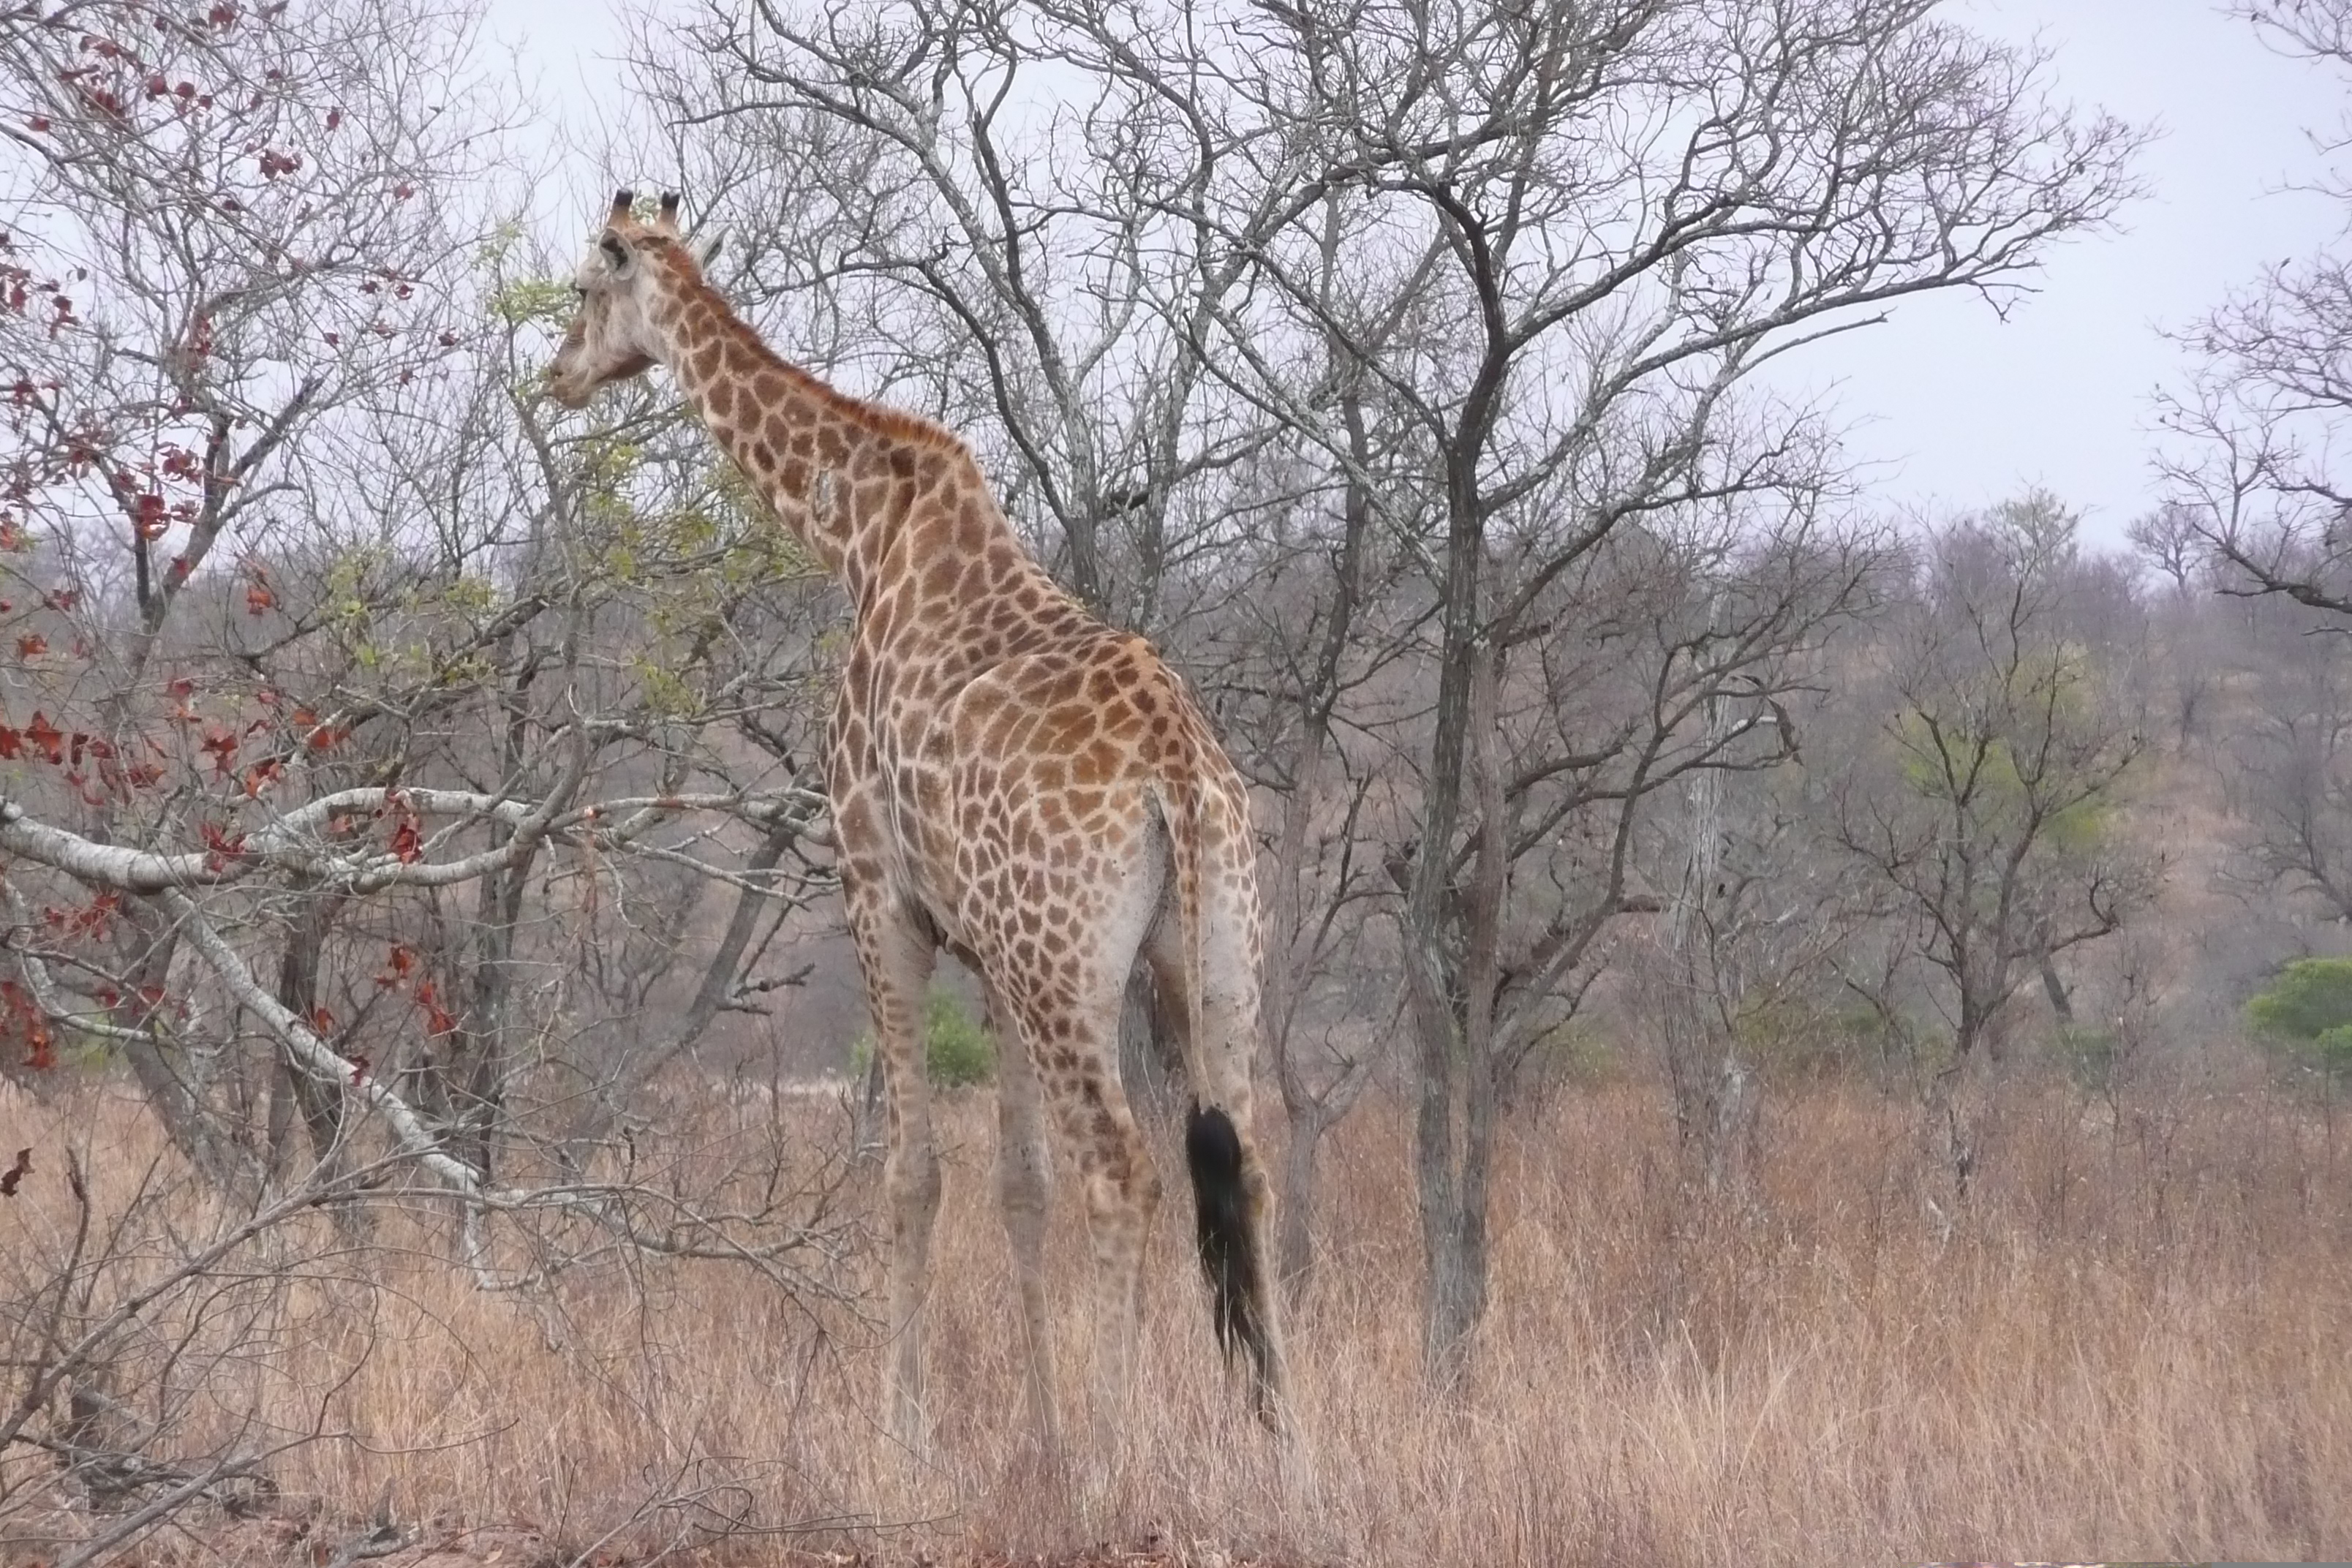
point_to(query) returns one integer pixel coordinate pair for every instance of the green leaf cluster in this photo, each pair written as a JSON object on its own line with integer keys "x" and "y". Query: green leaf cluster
{"x": 2309, "y": 1006}
{"x": 2057, "y": 688}
{"x": 958, "y": 1051}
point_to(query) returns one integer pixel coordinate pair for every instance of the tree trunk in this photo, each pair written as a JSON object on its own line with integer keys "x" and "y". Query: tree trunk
{"x": 1294, "y": 1250}
{"x": 1715, "y": 1091}
{"x": 1298, "y": 950}
{"x": 2053, "y": 987}
{"x": 1454, "y": 1125}
{"x": 292, "y": 1087}
{"x": 173, "y": 1082}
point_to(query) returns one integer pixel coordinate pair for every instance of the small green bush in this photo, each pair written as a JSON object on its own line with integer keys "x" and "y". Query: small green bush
{"x": 957, "y": 1051}
{"x": 2089, "y": 1056}
{"x": 2334, "y": 1050}
{"x": 2309, "y": 997}
{"x": 1793, "y": 1038}
{"x": 2309, "y": 1006}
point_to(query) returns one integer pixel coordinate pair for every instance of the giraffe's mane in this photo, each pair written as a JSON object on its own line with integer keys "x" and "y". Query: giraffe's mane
{"x": 880, "y": 419}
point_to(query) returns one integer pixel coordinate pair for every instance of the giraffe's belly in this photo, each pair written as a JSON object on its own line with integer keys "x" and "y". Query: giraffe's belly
{"x": 1022, "y": 828}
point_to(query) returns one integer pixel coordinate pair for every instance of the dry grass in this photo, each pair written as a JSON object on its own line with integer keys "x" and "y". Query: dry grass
{"x": 2131, "y": 1347}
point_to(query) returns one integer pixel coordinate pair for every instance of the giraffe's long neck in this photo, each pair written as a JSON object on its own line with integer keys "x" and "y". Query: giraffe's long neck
{"x": 791, "y": 435}
{"x": 892, "y": 505}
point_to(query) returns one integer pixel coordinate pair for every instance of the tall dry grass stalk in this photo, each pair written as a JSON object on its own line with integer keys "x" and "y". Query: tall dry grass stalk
{"x": 2132, "y": 1345}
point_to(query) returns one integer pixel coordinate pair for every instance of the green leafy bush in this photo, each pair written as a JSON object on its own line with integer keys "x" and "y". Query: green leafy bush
{"x": 957, "y": 1051}
{"x": 2334, "y": 1050}
{"x": 2309, "y": 1006}
{"x": 2309, "y": 997}
{"x": 2088, "y": 1055}
{"x": 1791, "y": 1037}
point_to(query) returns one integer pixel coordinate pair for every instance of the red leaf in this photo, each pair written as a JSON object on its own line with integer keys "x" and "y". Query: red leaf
{"x": 32, "y": 647}
{"x": 321, "y": 1021}
{"x": 12, "y": 744}
{"x": 397, "y": 965}
{"x": 407, "y": 846}
{"x": 334, "y": 117}
{"x": 222, "y": 745}
{"x": 182, "y": 688}
{"x": 360, "y": 1065}
{"x": 438, "y": 1020}
{"x": 147, "y": 516}
{"x": 258, "y": 599}
{"x": 45, "y": 737}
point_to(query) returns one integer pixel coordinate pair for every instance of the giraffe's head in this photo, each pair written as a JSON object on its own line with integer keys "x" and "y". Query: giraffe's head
{"x": 613, "y": 336}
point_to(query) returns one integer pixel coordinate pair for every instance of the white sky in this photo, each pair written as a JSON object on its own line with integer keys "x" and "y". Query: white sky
{"x": 1951, "y": 407}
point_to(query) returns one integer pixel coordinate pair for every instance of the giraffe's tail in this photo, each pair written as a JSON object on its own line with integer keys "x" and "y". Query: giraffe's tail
{"x": 1231, "y": 1251}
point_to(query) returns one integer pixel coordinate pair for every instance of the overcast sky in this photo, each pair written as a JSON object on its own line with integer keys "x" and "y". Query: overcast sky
{"x": 1952, "y": 407}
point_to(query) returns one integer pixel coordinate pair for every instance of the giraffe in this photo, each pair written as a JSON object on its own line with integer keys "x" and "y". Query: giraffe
{"x": 1012, "y": 780}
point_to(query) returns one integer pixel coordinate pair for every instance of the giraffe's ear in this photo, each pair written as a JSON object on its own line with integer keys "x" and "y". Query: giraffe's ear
{"x": 705, "y": 247}
{"x": 617, "y": 254}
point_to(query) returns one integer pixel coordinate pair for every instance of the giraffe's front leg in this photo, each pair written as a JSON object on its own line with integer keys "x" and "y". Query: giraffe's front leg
{"x": 896, "y": 953}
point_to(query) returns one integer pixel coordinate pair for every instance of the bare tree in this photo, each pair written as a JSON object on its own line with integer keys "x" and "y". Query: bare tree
{"x": 1742, "y": 978}
{"x": 2254, "y": 471}
{"x": 1987, "y": 811}
{"x": 2189, "y": 631}
{"x": 216, "y": 249}
{"x": 374, "y": 742}
{"x": 1629, "y": 209}
{"x": 2286, "y": 773}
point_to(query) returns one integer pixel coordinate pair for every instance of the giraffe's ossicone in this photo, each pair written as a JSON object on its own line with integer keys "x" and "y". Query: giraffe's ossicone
{"x": 1011, "y": 779}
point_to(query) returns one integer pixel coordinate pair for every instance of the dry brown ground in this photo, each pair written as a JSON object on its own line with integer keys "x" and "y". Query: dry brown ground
{"x": 2132, "y": 1346}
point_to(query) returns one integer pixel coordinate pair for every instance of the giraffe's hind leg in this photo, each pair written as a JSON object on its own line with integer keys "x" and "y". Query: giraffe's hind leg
{"x": 1077, "y": 1051}
{"x": 896, "y": 953}
{"x": 1024, "y": 1175}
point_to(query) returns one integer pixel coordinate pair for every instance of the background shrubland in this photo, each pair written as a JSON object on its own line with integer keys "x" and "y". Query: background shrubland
{"x": 1790, "y": 1031}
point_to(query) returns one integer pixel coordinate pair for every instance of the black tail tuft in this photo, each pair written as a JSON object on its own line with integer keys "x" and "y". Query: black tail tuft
{"x": 1229, "y": 1243}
